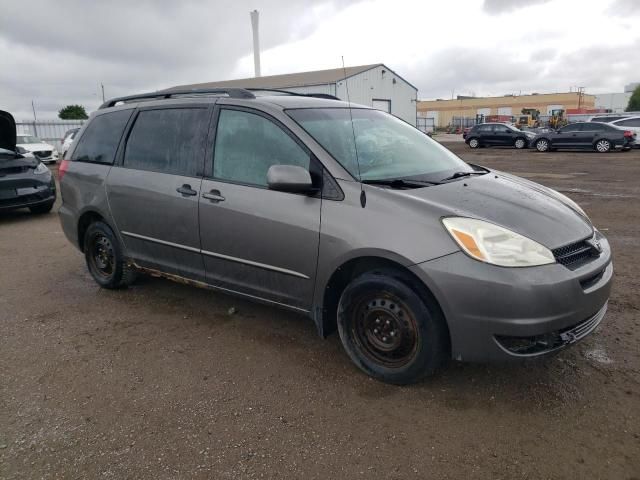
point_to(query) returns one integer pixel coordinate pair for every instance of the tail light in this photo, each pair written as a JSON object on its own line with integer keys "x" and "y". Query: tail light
{"x": 62, "y": 169}
{"x": 628, "y": 133}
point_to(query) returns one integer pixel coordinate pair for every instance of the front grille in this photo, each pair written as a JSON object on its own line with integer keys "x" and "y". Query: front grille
{"x": 43, "y": 153}
{"x": 576, "y": 253}
{"x": 548, "y": 342}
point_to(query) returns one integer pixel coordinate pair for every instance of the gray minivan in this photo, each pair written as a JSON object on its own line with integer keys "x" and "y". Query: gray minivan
{"x": 343, "y": 213}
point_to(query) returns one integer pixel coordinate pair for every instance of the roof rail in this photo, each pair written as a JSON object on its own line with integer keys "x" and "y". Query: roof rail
{"x": 296, "y": 94}
{"x": 231, "y": 92}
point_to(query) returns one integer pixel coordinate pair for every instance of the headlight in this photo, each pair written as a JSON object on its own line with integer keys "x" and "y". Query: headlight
{"x": 493, "y": 244}
{"x": 40, "y": 169}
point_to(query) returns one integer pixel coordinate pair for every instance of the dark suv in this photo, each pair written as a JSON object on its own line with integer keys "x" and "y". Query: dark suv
{"x": 497, "y": 135}
{"x": 341, "y": 212}
{"x": 601, "y": 137}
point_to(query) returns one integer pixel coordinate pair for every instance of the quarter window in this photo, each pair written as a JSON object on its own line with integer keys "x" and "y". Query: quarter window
{"x": 100, "y": 140}
{"x": 248, "y": 144}
{"x": 168, "y": 141}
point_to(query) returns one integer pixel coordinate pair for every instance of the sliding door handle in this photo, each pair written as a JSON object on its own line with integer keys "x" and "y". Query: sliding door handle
{"x": 214, "y": 196}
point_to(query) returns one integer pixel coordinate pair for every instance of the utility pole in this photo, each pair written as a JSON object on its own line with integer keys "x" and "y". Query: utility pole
{"x": 580, "y": 91}
{"x": 255, "y": 16}
{"x": 35, "y": 119}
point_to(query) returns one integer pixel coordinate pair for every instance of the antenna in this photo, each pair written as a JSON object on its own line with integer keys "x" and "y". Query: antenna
{"x": 363, "y": 196}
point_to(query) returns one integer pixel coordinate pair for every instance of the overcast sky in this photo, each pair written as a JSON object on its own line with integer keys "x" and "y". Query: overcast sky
{"x": 59, "y": 52}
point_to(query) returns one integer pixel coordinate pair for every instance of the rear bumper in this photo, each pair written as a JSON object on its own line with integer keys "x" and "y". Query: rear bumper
{"x": 496, "y": 313}
{"x": 36, "y": 196}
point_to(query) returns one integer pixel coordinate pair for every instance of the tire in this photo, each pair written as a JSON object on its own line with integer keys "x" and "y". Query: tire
{"x": 389, "y": 330}
{"x": 104, "y": 258}
{"x": 520, "y": 143}
{"x": 542, "y": 145}
{"x": 42, "y": 209}
{"x": 602, "y": 146}
{"x": 474, "y": 143}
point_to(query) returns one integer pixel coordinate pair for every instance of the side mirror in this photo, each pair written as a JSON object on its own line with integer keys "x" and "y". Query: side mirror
{"x": 289, "y": 178}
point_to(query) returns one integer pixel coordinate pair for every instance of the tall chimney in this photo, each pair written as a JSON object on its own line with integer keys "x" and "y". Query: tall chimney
{"x": 256, "y": 41}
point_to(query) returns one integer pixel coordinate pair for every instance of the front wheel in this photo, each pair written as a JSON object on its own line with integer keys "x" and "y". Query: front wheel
{"x": 389, "y": 331}
{"x": 603, "y": 146}
{"x": 520, "y": 143}
{"x": 542, "y": 145}
{"x": 474, "y": 143}
{"x": 104, "y": 258}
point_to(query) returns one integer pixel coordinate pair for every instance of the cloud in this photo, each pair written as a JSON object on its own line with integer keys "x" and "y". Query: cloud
{"x": 497, "y": 7}
{"x": 58, "y": 53}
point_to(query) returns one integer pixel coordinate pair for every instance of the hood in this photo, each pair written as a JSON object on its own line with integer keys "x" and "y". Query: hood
{"x": 525, "y": 207}
{"x": 7, "y": 131}
{"x": 36, "y": 147}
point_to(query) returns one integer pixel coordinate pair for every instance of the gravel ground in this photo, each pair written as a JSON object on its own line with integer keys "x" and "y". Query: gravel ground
{"x": 161, "y": 381}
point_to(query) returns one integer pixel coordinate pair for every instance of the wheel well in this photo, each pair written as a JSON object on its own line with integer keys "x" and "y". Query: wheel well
{"x": 86, "y": 219}
{"x": 356, "y": 267}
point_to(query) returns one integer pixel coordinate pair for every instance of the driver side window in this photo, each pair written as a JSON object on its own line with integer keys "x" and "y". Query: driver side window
{"x": 248, "y": 144}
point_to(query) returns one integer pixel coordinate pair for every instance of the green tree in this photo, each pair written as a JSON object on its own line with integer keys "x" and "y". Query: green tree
{"x": 73, "y": 112}
{"x": 634, "y": 101}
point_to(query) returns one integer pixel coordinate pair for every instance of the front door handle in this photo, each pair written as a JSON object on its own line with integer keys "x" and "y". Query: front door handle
{"x": 214, "y": 196}
{"x": 186, "y": 190}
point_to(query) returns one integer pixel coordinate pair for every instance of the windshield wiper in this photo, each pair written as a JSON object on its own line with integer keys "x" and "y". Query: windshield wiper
{"x": 400, "y": 183}
{"x": 462, "y": 174}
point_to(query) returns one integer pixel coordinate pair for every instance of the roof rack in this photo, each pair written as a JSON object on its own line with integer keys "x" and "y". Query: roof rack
{"x": 231, "y": 92}
{"x": 245, "y": 93}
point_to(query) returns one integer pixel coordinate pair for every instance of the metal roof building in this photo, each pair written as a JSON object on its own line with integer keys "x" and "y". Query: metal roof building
{"x": 374, "y": 85}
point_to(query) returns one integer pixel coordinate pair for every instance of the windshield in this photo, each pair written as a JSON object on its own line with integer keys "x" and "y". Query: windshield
{"x": 21, "y": 139}
{"x": 388, "y": 148}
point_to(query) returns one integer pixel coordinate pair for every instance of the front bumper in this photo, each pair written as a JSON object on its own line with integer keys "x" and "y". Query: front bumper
{"x": 497, "y": 313}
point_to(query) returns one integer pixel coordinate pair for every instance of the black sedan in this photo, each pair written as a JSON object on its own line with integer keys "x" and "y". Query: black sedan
{"x": 497, "y": 135}
{"x": 24, "y": 180}
{"x": 600, "y": 137}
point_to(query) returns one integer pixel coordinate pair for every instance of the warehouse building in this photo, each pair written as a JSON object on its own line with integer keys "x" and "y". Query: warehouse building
{"x": 374, "y": 85}
{"x": 463, "y": 110}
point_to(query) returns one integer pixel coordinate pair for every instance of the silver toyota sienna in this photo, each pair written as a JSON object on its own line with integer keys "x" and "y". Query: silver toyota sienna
{"x": 343, "y": 213}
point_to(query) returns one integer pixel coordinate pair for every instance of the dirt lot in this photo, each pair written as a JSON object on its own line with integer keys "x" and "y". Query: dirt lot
{"x": 160, "y": 381}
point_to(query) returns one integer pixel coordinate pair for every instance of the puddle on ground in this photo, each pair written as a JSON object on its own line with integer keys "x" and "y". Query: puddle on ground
{"x": 598, "y": 355}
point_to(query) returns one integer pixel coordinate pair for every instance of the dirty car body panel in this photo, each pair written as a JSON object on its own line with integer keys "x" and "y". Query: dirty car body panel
{"x": 231, "y": 232}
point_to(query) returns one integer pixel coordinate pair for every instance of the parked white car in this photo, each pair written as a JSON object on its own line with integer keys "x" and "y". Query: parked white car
{"x": 68, "y": 140}
{"x": 43, "y": 151}
{"x": 630, "y": 123}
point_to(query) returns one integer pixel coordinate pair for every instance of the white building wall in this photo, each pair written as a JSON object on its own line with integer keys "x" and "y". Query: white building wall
{"x": 616, "y": 102}
{"x": 378, "y": 83}
{"x": 328, "y": 88}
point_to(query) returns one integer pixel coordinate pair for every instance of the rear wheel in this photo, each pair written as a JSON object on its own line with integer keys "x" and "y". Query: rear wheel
{"x": 542, "y": 145}
{"x": 520, "y": 143}
{"x": 603, "y": 146}
{"x": 41, "y": 209}
{"x": 389, "y": 331}
{"x": 104, "y": 258}
{"x": 474, "y": 143}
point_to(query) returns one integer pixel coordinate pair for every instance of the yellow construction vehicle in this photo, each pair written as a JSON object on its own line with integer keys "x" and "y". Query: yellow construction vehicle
{"x": 529, "y": 118}
{"x": 557, "y": 119}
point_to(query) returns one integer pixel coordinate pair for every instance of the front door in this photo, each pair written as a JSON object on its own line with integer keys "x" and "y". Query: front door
{"x": 568, "y": 136}
{"x": 153, "y": 193}
{"x": 503, "y": 135}
{"x": 257, "y": 241}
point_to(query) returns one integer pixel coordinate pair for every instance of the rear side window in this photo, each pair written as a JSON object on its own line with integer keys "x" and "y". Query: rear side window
{"x": 100, "y": 141}
{"x": 594, "y": 127}
{"x": 576, "y": 127}
{"x": 168, "y": 141}
{"x": 631, "y": 122}
{"x": 248, "y": 144}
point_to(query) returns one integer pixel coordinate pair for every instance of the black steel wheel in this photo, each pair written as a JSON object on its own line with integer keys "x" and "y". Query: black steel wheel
{"x": 104, "y": 258}
{"x": 390, "y": 330}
